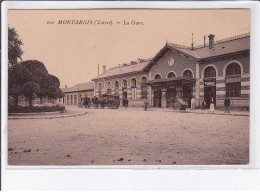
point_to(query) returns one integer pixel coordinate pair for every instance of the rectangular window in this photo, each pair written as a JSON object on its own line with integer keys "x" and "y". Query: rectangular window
{"x": 144, "y": 92}
{"x": 233, "y": 89}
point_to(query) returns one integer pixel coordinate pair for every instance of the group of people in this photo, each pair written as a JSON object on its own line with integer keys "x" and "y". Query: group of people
{"x": 226, "y": 104}
{"x": 192, "y": 104}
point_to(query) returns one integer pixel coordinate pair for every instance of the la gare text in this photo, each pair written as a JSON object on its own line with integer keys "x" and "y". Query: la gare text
{"x": 97, "y": 22}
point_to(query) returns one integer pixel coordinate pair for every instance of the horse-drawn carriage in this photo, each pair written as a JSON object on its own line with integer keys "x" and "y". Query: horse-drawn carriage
{"x": 178, "y": 104}
{"x": 105, "y": 100}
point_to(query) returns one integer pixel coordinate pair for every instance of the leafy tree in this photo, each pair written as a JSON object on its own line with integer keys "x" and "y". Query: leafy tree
{"x": 29, "y": 90}
{"x": 32, "y": 78}
{"x": 15, "y": 51}
{"x": 37, "y": 68}
{"x": 53, "y": 92}
{"x": 18, "y": 75}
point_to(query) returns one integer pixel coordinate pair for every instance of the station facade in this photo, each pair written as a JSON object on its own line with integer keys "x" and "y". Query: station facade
{"x": 209, "y": 72}
{"x": 73, "y": 95}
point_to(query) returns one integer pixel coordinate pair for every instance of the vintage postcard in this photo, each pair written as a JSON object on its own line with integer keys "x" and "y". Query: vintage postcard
{"x": 127, "y": 87}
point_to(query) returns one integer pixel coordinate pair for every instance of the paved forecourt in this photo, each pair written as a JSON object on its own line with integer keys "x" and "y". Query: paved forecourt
{"x": 130, "y": 137}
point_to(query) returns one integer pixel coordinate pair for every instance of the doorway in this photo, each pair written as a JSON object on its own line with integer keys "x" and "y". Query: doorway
{"x": 124, "y": 97}
{"x": 170, "y": 94}
{"x": 187, "y": 93}
{"x": 209, "y": 95}
{"x": 157, "y": 97}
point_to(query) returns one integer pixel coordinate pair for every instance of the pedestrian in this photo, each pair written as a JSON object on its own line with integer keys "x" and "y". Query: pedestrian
{"x": 192, "y": 103}
{"x": 212, "y": 105}
{"x": 146, "y": 103}
{"x": 189, "y": 101}
{"x": 203, "y": 104}
{"x": 126, "y": 103}
{"x": 227, "y": 104}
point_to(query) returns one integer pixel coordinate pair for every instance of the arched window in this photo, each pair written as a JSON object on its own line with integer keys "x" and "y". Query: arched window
{"x": 116, "y": 87}
{"x": 116, "y": 84}
{"x": 99, "y": 89}
{"x": 171, "y": 74}
{"x": 133, "y": 82}
{"x": 233, "y": 69}
{"x": 233, "y": 84}
{"x": 144, "y": 89}
{"x": 124, "y": 83}
{"x": 133, "y": 85}
{"x": 109, "y": 87}
{"x": 144, "y": 79}
{"x": 187, "y": 73}
{"x": 157, "y": 76}
{"x": 210, "y": 72}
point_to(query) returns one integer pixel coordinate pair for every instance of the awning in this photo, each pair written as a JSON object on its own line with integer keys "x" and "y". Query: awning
{"x": 168, "y": 81}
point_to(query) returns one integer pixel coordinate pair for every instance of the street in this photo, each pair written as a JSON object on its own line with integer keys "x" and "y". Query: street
{"x": 130, "y": 137}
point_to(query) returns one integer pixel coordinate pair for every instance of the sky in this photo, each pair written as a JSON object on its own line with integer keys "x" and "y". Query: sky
{"x": 72, "y": 52}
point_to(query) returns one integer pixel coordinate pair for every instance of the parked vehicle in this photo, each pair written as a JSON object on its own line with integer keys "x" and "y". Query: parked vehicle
{"x": 106, "y": 100}
{"x": 180, "y": 104}
{"x": 85, "y": 102}
{"x": 111, "y": 101}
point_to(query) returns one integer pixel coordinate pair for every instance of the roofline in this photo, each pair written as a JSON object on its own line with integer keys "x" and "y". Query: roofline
{"x": 174, "y": 47}
{"x": 224, "y": 55}
{"x": 118, "y": 75}
{"x": 170, "y": 48}
{"x": 77, "y": 91}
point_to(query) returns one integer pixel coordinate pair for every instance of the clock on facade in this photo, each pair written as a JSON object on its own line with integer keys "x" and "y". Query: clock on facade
{"x": 171, "y": 62}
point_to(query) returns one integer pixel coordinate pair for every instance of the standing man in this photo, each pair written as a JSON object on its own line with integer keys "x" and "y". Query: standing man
{"x": 203, "y": 104}
{"x": 192, "y": 103}
{"x": 146, "y": 103}
{"x": 126, "y": 103}
{"x": 227, "y": 104}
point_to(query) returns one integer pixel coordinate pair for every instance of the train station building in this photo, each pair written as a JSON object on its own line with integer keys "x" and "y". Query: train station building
{"x": 73, "y": 95}
{"x": 208, "y": 72}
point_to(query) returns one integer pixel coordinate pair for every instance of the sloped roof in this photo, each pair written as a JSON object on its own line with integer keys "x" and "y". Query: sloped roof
{"x": 221, "y": 47}
{"x": 79, "y": 87}
{"x": 123, "y": 69}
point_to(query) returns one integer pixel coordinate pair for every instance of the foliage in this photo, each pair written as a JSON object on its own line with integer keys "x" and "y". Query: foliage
{"x": 23, "y": 109}
{"x": 31, "y": 78}
{"x": 28, "y": 78}
{"x": 14, "y": 47}
{"x": 30, "y": 88}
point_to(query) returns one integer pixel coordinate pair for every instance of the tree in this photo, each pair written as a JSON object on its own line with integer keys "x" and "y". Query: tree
{"x": 15, "y": 51}
{"x": 32, "y": 78}
{"x": 37, "y": 68}
{"x": 29, "y": 89}
{"x": 18, "y": 75}
{"x": 40, "y": 76}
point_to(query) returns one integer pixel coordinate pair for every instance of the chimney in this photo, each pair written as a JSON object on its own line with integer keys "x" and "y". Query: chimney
{"x": 211, "y": 41}
{"x": 104, "y": 68}
{"x": 192, "y": 43}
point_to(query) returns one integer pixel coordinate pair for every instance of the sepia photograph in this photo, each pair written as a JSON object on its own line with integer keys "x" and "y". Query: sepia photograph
{"x": 126, "y": 87}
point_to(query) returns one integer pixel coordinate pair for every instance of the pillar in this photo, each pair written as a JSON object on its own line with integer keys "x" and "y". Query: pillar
{"x": 197, "y": 86}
